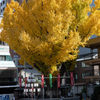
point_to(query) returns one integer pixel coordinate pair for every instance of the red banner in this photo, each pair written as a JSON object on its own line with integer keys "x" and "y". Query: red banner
{"x": 58, "y": 82}
{"x": 25, "y": 82}
{"x": 71, "y": 78}
{"x": 20, "y": 83}
{"x": 42, "y": 81}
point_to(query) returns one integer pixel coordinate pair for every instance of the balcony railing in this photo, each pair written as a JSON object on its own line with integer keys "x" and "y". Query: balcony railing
{"x": 93, "y": 55}
{"x": 93, "y": 72}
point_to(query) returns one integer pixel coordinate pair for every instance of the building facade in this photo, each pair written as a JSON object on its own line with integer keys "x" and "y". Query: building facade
{"x": 87, "y": 68}
{"x": 82, "y": 70}
{"x": 20, "y": 1}
{"x": 2, "y": 6}
{"x": 95, "y": 63}
{"x": 8, "y": 70}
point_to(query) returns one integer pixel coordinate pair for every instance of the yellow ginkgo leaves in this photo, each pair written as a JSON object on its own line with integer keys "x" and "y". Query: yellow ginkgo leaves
{"x": 49, "y": 32}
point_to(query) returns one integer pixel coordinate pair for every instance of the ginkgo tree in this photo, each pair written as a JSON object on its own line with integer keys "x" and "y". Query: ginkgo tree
{"x": 49, "y": 32}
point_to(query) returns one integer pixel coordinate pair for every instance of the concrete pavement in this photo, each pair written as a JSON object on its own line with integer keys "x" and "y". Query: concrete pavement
{"x": 68, "y": 98}
{"x": 39, "y": 99}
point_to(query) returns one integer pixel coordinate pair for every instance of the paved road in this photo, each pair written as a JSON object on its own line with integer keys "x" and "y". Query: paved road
{"x": 50, "y": 99}
{"x": 39, "y": 99}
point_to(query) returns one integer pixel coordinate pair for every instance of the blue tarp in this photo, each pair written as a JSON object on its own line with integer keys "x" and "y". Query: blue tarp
{"x": 4, "y": 97}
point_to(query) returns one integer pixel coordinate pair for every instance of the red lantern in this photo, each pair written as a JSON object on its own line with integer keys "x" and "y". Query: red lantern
{"x": 42, "y": 81}
{"x": 25, "y": 82}
{"x": 71, "y": 78}
{"x": 58, "y": 83}
{"x": 20, "y": 83}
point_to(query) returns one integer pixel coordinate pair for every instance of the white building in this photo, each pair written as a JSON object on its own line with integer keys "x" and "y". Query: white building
{"x": 8, "y": 70}
{"x": 2, "y": 6}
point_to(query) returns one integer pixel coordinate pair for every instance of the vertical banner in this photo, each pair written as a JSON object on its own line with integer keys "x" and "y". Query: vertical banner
{"x": 20, "y": 83}
{"x": 25, "y": 82}
{"x": 58, "y": 82}
{"x": 71, "y": 78}
{"x": 50, "y": 78}
{"x": 42, "y": 81}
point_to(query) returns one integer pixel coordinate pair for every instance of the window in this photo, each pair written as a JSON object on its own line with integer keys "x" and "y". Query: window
{"x": 15, "y": 56}
{"x": 87, "y": 66}
{"x": 2, "y": 43}
{"x": 76, "y": 76}
{"x": 87, "y": 74}
{"x": 5, "y": 43}
{"x": 83, "y": 75}
{"x": 75, "y": 65}
{"x": 2, "y": 58}
{"x": 3, "y": 2}
{"x": 84, "y": 65}
{"x": 8, "y": 58}
{"x": 26, "y": 63}
{"x": 5, "y": 58}
{"x": 14, "y": 51}
{"x": 3, "y": 8}
{"x": 96, "y": 70}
